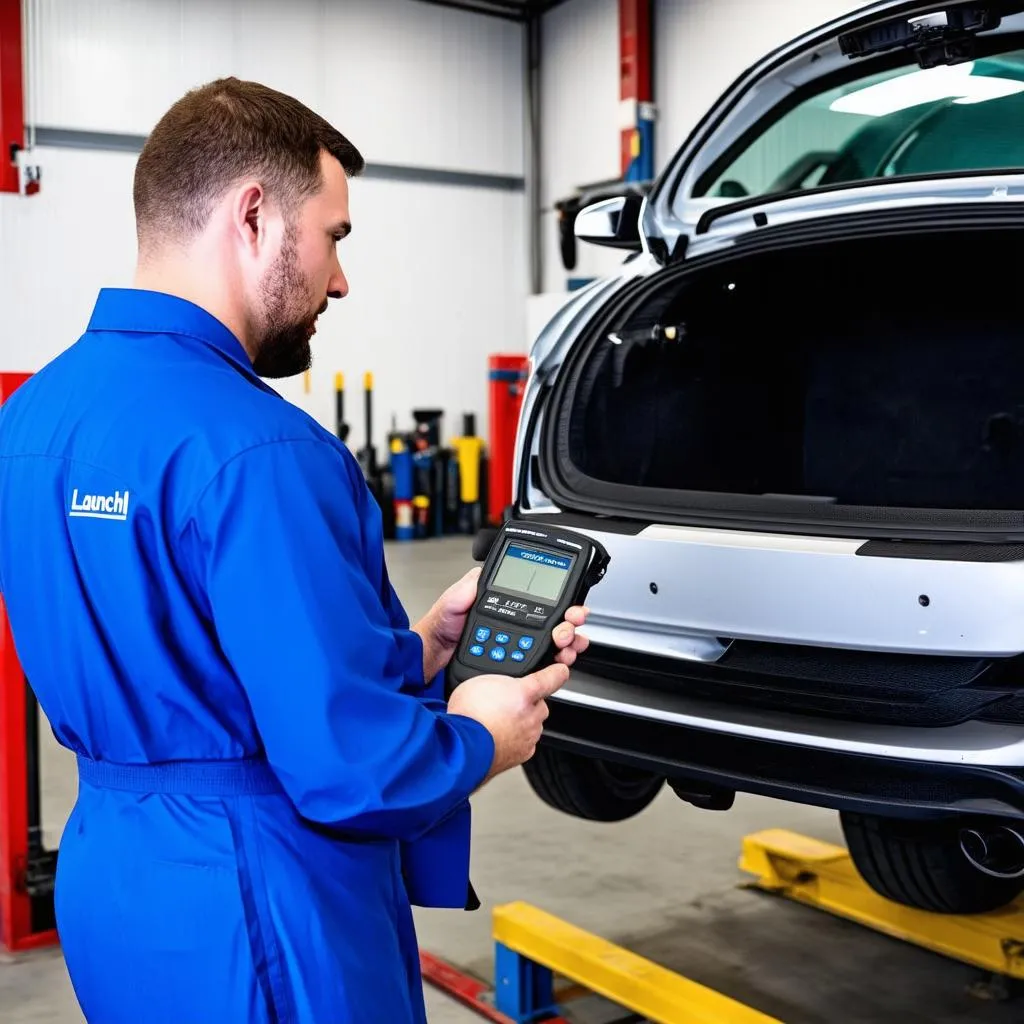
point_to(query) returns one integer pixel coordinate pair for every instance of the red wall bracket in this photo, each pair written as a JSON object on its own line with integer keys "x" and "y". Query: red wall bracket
{"x": 12, "y": 96}
{"x": 26, "y": 918}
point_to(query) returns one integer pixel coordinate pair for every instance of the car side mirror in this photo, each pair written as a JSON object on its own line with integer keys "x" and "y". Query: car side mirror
{"x": 611, "y": 222}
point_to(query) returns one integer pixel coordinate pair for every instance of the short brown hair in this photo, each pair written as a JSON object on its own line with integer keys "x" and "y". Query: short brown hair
{"x": 221, "y": 132}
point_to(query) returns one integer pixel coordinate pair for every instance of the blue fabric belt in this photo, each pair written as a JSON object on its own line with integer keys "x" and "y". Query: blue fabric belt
{"x": 185, "y": 778}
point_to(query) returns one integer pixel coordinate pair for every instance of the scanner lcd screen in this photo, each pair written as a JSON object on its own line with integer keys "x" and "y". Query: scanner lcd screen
{"x": 537, "y": 574}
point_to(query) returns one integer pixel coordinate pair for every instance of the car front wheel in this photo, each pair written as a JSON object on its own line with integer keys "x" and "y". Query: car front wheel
{"x": 588, "y": 788}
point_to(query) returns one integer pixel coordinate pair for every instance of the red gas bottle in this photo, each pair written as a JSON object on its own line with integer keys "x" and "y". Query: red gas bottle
{"x": 507, "y": 383}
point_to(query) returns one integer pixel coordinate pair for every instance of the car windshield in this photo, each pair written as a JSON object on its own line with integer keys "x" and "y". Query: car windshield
{"x": 962, "y": 118}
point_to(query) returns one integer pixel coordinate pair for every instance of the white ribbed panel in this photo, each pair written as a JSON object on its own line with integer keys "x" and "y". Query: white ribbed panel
{"x": 409, "y": 82}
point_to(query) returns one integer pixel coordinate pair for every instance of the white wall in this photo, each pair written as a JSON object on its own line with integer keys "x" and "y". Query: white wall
{"x": 579, "y": 120}
{"x": 438, "y": 272}
{"x": 700, "y": 47}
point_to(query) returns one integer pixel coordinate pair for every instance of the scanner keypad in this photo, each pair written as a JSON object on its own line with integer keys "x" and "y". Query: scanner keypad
{"x": 501, "y": 645}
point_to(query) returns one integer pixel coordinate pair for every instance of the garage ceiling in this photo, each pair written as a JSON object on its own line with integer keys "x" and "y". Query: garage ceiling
{"x": 510, "y": 10}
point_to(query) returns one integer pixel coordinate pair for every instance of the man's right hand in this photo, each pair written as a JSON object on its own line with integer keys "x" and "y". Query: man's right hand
{"x": 512, "y": 710}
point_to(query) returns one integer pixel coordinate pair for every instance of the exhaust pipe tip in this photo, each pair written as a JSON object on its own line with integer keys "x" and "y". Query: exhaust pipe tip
{"x": 973, "y": 845}
{"x": 997, "y": 852}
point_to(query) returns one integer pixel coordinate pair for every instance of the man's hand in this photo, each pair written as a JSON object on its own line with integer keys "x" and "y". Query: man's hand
{"x": 567, "y": 640}
{"x": 442, "y": 626}
{"x": 512, "y": 710}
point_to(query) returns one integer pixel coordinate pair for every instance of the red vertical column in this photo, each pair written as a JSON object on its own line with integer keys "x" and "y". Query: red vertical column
{"x": 16, "y": 926}
{"x": 15, "y": 905}
{"x": 12, "y": 103}
{"x": 507, "y": 383}
{"x": 636, "y": 91}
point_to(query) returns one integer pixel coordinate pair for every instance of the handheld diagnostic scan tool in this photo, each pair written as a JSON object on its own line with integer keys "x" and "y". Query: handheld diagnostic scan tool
{"x": 531, "y": 576}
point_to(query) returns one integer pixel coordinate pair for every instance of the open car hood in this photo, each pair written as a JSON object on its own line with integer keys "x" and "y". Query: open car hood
{"x": 881, "y": 38}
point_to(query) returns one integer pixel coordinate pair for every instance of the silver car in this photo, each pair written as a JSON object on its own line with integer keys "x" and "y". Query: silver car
{"x": 795, "y": 419}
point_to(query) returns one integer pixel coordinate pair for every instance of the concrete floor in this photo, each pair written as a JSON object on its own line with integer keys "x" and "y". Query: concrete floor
{"x": 665, "y": 884}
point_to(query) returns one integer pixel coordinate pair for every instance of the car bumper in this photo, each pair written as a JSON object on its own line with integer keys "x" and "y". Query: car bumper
{"x": 976, "y": 769}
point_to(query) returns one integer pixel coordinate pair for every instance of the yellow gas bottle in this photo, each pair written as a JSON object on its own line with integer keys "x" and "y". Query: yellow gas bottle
{"x": 469, "y": 451}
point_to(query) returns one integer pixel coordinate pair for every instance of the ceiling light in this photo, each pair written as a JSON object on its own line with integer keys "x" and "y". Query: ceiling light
{"x": 953, "y": 82}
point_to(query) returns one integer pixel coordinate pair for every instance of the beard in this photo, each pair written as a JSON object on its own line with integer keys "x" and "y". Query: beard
{"x": 283, "y": 349}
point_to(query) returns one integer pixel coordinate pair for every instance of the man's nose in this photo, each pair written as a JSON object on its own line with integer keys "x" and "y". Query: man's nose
{"x": 337, "y": 287}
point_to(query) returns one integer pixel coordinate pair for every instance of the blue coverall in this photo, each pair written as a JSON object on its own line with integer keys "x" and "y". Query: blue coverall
{"x": 194, "y": 574}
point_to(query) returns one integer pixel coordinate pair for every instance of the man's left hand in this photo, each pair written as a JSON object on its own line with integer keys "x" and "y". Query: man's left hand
{"x": 442, "y": 626}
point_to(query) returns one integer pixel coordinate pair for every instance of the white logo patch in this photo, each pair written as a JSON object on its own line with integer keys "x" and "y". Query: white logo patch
{"x": 99, "y": 506}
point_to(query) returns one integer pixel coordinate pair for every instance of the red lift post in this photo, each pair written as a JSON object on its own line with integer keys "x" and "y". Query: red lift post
{"x": 26, "y": 869}
{"x": 636, "y": 91}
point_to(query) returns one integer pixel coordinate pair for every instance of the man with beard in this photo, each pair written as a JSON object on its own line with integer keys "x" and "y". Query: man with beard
{"x": 194, "y": 574}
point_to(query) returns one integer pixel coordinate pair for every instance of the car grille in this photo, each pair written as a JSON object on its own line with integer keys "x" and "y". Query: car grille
{"x": 901, "y": 689}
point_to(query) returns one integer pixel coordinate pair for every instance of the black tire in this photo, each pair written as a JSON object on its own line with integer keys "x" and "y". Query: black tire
{"x": 920, "y": 864}
{"x": 587, "y": 788}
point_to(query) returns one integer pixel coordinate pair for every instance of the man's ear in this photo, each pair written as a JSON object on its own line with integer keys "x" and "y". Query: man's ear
{"x": 249, "y": 214}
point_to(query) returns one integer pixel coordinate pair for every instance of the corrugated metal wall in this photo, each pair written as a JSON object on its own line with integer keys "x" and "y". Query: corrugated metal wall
{"x": 438, "y": 272}
{"x": 408, "y": 82}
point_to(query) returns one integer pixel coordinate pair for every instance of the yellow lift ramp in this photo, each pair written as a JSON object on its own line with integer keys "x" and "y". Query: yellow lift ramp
{"x": 822, "y": 875}
{"x": 533, "y": 947}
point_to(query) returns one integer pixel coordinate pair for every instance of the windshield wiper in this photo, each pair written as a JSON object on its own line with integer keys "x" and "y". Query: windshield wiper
{"x": 760, "y": 218}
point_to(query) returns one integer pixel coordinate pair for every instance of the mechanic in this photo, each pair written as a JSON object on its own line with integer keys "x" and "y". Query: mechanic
{"x": 269, "y": 776}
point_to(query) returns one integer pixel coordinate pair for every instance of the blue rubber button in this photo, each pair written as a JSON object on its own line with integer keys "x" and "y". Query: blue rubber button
{"x": 502, "y": 638}
{"x": 482, "y": 635}
{"x": 518, "y": 656}
{"x": 525, "y": 642}
{"x": 497, "y": 653}
{"x": 477, "y": 651}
